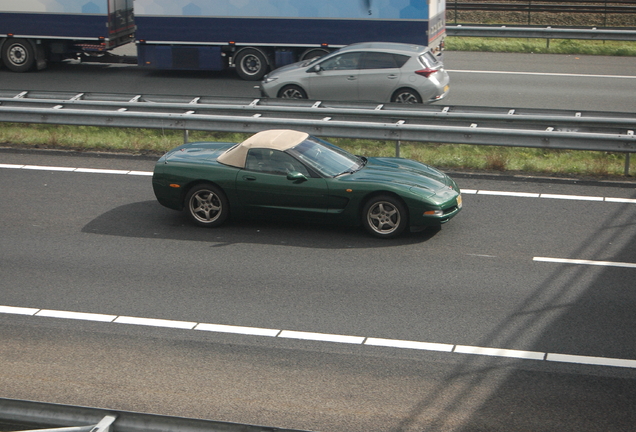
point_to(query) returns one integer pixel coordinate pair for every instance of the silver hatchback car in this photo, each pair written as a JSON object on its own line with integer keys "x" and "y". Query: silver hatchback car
{"x": 370, "y": 71}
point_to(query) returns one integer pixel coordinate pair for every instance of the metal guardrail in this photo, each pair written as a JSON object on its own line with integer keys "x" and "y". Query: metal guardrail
{"x": 541, "y": 32}
{"x": 48, "y": 417}
{"x": 552, "y": 6}
{"x": 556, "y": 129}
{"x": 600, "y": 9}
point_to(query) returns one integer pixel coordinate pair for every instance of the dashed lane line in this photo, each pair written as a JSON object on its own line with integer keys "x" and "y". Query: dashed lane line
{"x": 464, "y": 191}
{"x": 551, "y": 74}
{"x": 548, "y": 196}
{"x": 324, "y": 337}
{"x": 585, "y": 262}
{"x": 78, "y": 170}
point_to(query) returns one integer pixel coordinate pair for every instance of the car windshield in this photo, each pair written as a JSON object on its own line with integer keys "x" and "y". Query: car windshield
{"x": 325, "y": 158}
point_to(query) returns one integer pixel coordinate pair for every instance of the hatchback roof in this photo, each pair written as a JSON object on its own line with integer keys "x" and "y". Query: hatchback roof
{"x": 386, "y": 46}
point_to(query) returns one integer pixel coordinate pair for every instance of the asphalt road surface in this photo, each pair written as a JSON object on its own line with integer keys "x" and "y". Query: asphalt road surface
{"x": 587, "y": 83}
{"x": 518, "y": 315}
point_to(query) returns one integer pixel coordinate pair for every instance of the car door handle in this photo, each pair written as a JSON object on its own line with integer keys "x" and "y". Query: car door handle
{"x": 351, "y": 77}
{"x": 249, "y": 178}
{"x": 392, "y": 76}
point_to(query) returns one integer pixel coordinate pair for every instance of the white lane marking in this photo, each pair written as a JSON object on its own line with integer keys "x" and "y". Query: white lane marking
{"x": 149, "y": 173}
{"x": 572, "y": 197}
{"x": 512, "y": 194}
{"x": 101, "y": 171}
{"x": 324, "y": 337}
{"x": 596, "y": 361}
{"x": 584, "y": 262}
{"x": 78, "y": 170}
{"x": 464, "y": 191}
{"x": 47, "y": 168}
{"x": 76, "y": 315}
{"x": 426, "y": 346}
{"x": 621, "y": 200}
{"x": 153, "y": 322}
{"x": 542, "y": 74}
{"x": 18, "y": 310}
{"x": 498, "y": 352}
{"x": 251, "y": 331}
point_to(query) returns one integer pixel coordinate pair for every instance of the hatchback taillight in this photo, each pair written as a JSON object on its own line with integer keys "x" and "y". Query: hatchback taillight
{"x": 426, "y": 72}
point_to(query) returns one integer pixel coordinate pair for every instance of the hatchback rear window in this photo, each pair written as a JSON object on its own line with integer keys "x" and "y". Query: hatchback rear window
{"x": 428, "y": 59}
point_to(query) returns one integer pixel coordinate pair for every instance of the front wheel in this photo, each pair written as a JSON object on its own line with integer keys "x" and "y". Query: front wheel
{"x": 251, "y": 64}
{"x": 406, "y": 96}
{"x": 292, "y": 92}
{"x": 207, "y": 205}
{"x": 384, "y": 216}
{"x": 18, "y": 55}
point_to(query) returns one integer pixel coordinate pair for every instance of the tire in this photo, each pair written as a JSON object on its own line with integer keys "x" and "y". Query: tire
{"x": 292, "y": 92}
{"x": 18, "y": 55}
{"x": 313, "y": 53}
{"x": 207, "y": 205}
{"x": 406, "y": 96}
{"x": 384, "y": 216}
{"x": 251, "y": 64}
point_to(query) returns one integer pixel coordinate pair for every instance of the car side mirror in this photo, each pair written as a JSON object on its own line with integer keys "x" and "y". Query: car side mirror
{"x": 296, "y": 177}
{"x": 314, "y": 69}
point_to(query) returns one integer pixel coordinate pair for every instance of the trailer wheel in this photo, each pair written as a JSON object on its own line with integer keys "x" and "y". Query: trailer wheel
{"x": 312, "y": 53}
{"x": 18, "y": 55}
{"x": 251, "y": 64}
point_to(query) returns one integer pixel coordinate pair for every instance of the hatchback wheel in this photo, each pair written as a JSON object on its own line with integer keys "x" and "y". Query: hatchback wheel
{"x": 406, "y": 96}
{"x": 384, "y": 216}
{"x": 207, "y": 205}
{"x": 292, "y": 92}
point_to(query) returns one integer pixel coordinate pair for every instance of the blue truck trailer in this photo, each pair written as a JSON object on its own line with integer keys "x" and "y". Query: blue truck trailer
{"x": 252, "y": 36}
{"x": 35, "y": 32}
{"x": 257, "y": 35}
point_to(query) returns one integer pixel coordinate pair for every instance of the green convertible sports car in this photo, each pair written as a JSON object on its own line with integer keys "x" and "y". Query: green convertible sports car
{"x": 285, "y": 173}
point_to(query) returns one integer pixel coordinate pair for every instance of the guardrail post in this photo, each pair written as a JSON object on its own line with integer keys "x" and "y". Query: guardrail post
{"x": 397, "y": 149}
{"x": 627, "y": 160}
{"x": 186, "y": 135}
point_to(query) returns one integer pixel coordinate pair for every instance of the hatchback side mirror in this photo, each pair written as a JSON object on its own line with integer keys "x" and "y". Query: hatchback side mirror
{"x": 315, "y": 69}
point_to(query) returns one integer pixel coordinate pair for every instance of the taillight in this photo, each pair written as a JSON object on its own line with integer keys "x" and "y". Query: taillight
{"x": 426, "y": 72}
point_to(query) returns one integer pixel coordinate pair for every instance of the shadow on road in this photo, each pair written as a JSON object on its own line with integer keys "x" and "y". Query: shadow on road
{"x": 148, "y": 219}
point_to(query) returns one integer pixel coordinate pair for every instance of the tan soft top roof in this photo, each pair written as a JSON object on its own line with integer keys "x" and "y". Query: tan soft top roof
{"x": 277, "y": 139}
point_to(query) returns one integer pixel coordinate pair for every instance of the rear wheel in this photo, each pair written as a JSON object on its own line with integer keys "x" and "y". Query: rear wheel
{"x": 18, "y": 55}
{"x": 251, "y": 64}
{"x": 406, "y": 96}
{"x": 207, "y": 205}
{"x": 384, "y": 216}
{"x": 292, "y": 92}
{"x": 313, "y": 53}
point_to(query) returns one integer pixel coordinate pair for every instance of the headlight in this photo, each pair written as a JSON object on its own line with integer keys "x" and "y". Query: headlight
{"x": 268, "y": 80}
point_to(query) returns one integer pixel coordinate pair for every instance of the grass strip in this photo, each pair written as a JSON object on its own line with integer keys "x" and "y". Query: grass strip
{"x": 567, "y": 163}
{"x": 541, "y": 46}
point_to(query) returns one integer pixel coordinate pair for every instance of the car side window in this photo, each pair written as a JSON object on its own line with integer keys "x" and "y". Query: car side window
{"x": 345, "y": 61}
{"x": 273, "y": 162}
{"x": 381, "y": 60}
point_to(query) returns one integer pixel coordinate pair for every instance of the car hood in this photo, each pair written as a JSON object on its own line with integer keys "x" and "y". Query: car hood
{"x": 414, "y": 175}
{"x": 287, "y": 68}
